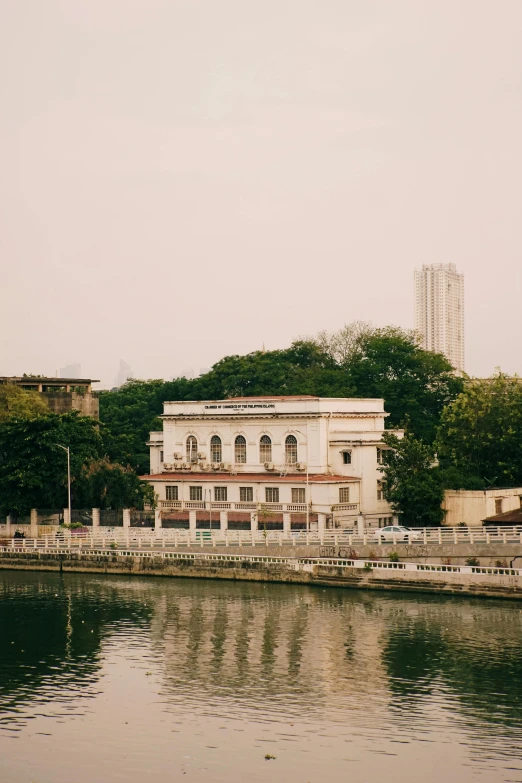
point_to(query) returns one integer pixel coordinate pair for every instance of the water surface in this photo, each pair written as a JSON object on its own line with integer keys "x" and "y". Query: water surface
{"x": 128, "y": 679}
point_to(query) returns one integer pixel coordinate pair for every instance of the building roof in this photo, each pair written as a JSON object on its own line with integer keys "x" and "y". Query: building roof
{"x": 37, "y": 379}
{"x": 507, "y": 518}
{"x": 273, "y": 478}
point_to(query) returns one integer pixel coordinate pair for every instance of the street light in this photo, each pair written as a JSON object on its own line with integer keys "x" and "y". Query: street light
{"x": 66, "y": 448}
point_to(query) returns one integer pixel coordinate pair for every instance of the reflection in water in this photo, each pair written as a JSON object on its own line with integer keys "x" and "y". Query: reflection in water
{"x": 155, "y": 677}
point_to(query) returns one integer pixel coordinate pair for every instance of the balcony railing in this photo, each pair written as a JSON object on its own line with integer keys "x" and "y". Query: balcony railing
{"x": 289, "y": 508}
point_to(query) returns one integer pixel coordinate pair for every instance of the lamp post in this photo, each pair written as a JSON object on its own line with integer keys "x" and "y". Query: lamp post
{"x": 66, "y": 448}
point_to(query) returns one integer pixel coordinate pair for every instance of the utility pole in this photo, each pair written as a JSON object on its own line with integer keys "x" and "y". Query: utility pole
{"x": 66, "y": 448}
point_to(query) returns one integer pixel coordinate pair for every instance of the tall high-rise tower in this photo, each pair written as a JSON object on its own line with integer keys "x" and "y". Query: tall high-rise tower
{"x": 439, "y": 310}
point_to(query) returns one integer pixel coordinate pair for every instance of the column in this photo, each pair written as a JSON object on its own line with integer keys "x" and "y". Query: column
{"x": 96, "y": 517}
{"x": 192, "y": 525}
{"x": 157, "y": 519}
{"x": 223, "y": 520}
{"x": 253, "y": 521}
{"x": 66, "y": 519}
{"x": 126, "y": 517}
{"x": 360, "y": 525}
{"x": 8, "y": 526}
{"x": 34, "y": 523}
{"x": 321, "y": 524}
{"x": 287, "y": 526}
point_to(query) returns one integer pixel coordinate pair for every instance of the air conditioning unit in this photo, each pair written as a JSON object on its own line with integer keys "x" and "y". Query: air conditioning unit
{"x": 178, "y": 465}
{"x": 269, "y": 466}
{"x": 168, "y": 466}
{"x": 226, "y": 466}
{"x": 217, "y": 465}
{"x": 177, "y": 455}
{"x": 202, "y": 455}
{"x": 300, "y": 466}
{"x": 204, "y": 466}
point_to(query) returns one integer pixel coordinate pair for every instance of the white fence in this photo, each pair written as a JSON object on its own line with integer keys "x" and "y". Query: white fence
{"x": 150, "y": 538}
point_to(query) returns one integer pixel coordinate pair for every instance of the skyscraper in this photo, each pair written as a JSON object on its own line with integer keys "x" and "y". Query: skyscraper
{"x": 439, "y": 310}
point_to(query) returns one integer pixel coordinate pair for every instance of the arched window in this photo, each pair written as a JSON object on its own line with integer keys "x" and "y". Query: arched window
{"x": 291, "y": 450}
{"x": 240, "y": 450}
{"x": 192, "y": 449}
{"x": 265, "y": 449}
{"x": 215, "y": 449}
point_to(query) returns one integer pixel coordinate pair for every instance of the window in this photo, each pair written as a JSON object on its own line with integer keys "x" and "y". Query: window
{"x": 344, "y": 494}
{"x": 215, "y": 449}
{"x": 246, "y": 494}
{"x": 220, "y": 493}
{"x": 498, "y": 505}
{"x": 192, "y": 449}
{"x": 381, "y": 456}
{"x": 265, "y": 449}
{"x": 347, "y": 457}
{"x": 240, "y": 450}
{"x": 161, "y": 456}
{"x": 298, "y": 495}
{"x": 272, "y": 494}
{"x": 171, "y": 493}
{"x": 290, "y": 450}
{"x": 196, "y": 493}
{"x": 380, "y": 491}
{"x": 520, "y": 499}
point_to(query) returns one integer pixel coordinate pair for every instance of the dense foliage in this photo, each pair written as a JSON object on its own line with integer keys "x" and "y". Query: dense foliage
{"x": 33, "y": 466}
{"x": 479, "y": 440}
{"x": 411, "y": 484}
{"x": 20, "y": 403}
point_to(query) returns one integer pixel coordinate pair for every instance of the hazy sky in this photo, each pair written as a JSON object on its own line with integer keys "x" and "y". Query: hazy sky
{"x": 186, "y": 179}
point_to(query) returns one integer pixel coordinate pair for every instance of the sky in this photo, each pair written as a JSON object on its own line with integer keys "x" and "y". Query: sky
{"x": 188, "y": 179}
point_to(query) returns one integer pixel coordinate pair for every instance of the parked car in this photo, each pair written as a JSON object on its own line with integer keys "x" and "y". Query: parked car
{"x": 397, "y": 533}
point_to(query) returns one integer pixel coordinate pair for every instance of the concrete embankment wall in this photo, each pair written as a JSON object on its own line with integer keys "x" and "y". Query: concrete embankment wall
{"x": 494, "y": 585}
{"x": 450, "y": 554}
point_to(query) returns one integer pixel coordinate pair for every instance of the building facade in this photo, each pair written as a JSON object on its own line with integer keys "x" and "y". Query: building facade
{"x": 259, "y": 463}
{"x": 62, "y": 395}
{"x": 439, "y": 311}
{"x": 471, "y": 507}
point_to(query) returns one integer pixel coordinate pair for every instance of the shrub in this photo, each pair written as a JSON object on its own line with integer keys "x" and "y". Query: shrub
{"x": 472, "y": 561}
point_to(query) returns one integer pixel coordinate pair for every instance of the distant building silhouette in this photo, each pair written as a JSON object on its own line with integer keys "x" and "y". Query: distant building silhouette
{"x": 124, "y": 373}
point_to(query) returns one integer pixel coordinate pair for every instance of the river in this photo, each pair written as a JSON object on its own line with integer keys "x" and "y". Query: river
{"x": 137, "y": 680}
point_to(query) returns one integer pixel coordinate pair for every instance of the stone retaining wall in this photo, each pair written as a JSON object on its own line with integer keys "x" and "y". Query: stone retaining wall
{"x": 493, "y": 585}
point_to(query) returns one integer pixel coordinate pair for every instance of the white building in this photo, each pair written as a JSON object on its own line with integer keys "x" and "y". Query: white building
{"x": 270, "y": 462}
{"x": 471, "y": 507}
{"x": 439, "y": 311}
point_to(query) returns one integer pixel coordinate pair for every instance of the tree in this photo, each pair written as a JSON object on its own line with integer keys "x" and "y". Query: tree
{"x": 17, "y": 403}
{"x": 343, "y": 344}
{"x": 33, "y": 468}
{"x": 480, "y": 433}
{"x": 411, "y": 484}
{"x": 107, "y": 485}
{"x": 416, "y": 385}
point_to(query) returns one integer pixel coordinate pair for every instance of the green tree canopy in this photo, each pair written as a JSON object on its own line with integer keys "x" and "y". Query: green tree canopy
{"x": 480, "y": 434}
{"x": 17, "y": 403}
{"x": 416, "y": 385}
{"x": 33, "y": 467}
{"x": 411, "y": 484}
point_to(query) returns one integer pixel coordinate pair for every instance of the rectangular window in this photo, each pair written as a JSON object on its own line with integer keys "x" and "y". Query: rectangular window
{"x": 381, "y": 456}
{"x": 171, "y": 493}
{"x": 498, "y": 505}
{"x": 344, "y": 494}
{"x": 246, "y": 494}
{"x": 196, "y": 493}
{"x": 298, "y": 495}
{"x": 347, "y": 457}
{"x": 272, "y": 494}
{"x": 380, "y": 491}
{"x": 161, "y": 456}
{"x": 220, "y": 494}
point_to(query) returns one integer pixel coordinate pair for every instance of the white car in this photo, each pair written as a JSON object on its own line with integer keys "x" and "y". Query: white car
{"x": 397, "y": 533}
